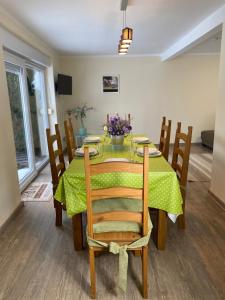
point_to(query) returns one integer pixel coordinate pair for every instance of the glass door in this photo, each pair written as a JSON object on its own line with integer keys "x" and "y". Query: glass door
{"x": 14, "y": 76}
{"x": 38, "y": 113}
{"x": 26, "y": 87}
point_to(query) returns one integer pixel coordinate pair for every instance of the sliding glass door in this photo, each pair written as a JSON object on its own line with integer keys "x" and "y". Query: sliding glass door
{"x": 38, "y": 115}
{"x": 26, "y": 87}
{"x": 19, "y": 121}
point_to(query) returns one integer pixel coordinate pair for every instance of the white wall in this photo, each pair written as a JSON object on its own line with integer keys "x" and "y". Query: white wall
{"x": 184, "y": 89}
{"x": 218, "y": 168}
{"x": 9, "y": 195}
{"x": 9, "y": 186}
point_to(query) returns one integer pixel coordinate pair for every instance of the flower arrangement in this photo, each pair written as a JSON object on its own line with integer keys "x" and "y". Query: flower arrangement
{"x": 80, "y": 113}
{"x": 117, "y": 126}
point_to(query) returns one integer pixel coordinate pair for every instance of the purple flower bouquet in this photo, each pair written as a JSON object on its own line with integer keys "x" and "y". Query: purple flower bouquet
{"x": 117, "y": 126}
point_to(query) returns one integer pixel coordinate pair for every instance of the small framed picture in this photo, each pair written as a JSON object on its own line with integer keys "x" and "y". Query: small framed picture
{"x": 110, "y": 84}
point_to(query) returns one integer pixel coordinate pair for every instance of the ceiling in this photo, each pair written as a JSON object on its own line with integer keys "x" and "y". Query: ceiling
{"x": 93, "y": 27}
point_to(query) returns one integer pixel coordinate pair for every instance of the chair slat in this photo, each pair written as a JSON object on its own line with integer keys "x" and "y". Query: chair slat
{"x": 53, "y": 138}
{"x": 116, "y": 192}
{"x": 118, "y": 216}
{"x": 57, "y": 153}
{"x": 110, "y": 167}
{"x": 117, "y": 236}
{"x": 100, "y": 249}
{"x": 182, "y": 136}
{"x": 60, "y": 167}
{"x": 179, "y": 152}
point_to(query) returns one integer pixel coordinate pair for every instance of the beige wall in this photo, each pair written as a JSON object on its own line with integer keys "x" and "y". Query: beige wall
{"x": 9, "y": 186}
{"x": 218, "y": 169}
{"x": 183, "y": 89}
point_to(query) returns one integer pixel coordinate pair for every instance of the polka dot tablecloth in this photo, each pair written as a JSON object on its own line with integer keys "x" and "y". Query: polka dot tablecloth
{"x": 163, "y": 192}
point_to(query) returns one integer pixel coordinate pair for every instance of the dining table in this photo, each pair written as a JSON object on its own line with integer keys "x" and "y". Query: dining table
{"x": 164, "y": 195}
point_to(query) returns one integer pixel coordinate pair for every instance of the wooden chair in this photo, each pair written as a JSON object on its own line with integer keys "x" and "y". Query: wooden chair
{"x": 129, "y": 119}
{"x": 180, "y": 162}
{"x": 70, "y": 141}
{"x": 118, "y": 215}
{"x": 164, "y": 143}
{"x": 57, "y": 165}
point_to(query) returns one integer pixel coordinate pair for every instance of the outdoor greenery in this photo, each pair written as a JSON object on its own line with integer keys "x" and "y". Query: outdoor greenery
{"x": 16, "y": 111}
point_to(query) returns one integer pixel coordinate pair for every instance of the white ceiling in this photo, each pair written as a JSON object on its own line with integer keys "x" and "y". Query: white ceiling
{"x": 93, "y": 27}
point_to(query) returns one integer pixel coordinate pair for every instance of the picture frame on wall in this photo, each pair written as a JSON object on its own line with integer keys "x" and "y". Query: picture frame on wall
{"x": 110, "y": 84}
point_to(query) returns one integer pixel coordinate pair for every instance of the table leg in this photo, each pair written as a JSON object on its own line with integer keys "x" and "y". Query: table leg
{"x": 77, "y": 232}
{"x": 162, "y": 230}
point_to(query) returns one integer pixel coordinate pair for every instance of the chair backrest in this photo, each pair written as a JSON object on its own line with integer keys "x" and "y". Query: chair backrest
{"x": 70, "y": 140}
{"x": 129, "y": 118}
{"x": 164, "y": 143}
{"x": 116, "y": 192}
{"x": 181, "y": 153}
{"x": 56, "y": 157}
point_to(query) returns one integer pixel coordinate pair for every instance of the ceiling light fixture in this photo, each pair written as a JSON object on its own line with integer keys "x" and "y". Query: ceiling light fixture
{"x": 126, "y": 36}
{"x": 122, "y": 49}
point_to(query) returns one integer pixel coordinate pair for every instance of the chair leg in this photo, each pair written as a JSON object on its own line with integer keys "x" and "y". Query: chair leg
{"x": 58, "y": 213}
{"x": 92, "y": 272}
{"x": 181, "y": 219}
{"x": 145, "y": 271}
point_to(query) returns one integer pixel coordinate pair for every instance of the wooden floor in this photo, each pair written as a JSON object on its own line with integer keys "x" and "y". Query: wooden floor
{"x": 37, "y": 260}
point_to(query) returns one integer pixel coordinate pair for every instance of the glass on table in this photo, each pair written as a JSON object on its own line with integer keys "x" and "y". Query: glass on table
{"x": 133, "y": 150}
{"x": 99, "y": 148}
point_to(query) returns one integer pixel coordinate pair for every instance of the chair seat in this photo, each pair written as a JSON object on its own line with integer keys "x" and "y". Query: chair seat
{"x": 117, "y": 204}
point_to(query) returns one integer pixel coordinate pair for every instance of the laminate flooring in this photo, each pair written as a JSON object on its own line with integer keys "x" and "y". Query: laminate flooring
{"x": 38, "y": 261}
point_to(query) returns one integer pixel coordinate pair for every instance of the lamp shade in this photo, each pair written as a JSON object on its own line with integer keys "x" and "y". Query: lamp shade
{"x": 122, "y": 50}
{"x": 124, "y": 46}
{"x": 127, "y": 35}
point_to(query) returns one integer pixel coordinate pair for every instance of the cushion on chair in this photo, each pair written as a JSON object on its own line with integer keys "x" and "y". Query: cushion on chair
{"x": 106, "y": 205}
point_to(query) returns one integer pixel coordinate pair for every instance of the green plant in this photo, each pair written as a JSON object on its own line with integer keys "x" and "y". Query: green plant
{"x": 80, "y": 113}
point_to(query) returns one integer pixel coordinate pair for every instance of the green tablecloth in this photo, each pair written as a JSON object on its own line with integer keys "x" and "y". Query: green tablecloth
{"x": 164, "y": 190}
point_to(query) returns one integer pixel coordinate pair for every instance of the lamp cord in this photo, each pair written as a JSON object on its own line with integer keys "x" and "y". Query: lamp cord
{"x": 124, "y": 18}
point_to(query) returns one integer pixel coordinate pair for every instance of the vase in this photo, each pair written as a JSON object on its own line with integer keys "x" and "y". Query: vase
{"x": 117, "y": 141}
{"x": 83, "y": 131}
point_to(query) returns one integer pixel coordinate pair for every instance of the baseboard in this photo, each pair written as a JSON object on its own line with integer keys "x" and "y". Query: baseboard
{"x": 11, "y": 217}
{"x": 218, "y": 201}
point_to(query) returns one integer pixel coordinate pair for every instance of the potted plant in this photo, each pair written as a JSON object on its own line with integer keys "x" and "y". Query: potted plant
{"x": 80, "y": 113}
{"x": 117, "y": 127}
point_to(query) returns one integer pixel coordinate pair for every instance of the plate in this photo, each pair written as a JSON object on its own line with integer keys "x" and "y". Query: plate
{"x": 92, "y": 139}
{"x": 80, "y": 152}
{"x": 116, "y": 159}
{"x": 153, "y": 152}
{"x": 141, "y": 140}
